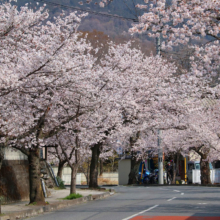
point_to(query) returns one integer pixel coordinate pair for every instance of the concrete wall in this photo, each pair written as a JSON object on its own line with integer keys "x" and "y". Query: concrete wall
{"x": 14, "y": 176}
{"x": 108, "y": 179}
{"x": 124, "y": 167}
{"x": 10, "y": 154}
{"x": 14, "y": 180}
{"x": 105, "y": 179}
{"x": 66, "y": 175}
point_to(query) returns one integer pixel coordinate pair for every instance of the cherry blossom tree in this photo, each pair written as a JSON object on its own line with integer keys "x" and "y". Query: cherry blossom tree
{"x": 71, "y": 149}
{"x": 44, "y": 68}
{"x": 200, "y": 133}
{"x": 86, "y": 132}
{"x": 144, "y": 84}
{"x": 161, "y": 105}
{"x": 185, "y": 22}
{"x": 194, "y": 23}
{"x": 53, "y": 91}
{"x": 119, "y": 93}
{"x": 206, "y": 141}
{"x": 56, "y": 157}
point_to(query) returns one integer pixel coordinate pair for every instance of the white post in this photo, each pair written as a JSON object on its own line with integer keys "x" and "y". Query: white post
{"x": 160, "y": 160}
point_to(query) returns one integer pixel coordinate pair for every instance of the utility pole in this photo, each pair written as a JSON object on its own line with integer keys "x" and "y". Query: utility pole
{"x": 158, "y": 45}
{"x": 160, "y": 150}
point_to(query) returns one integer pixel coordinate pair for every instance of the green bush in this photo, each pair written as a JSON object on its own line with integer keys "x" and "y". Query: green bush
{"x": 179, "y": 182}
{"x": 73, "y": 196}
{"x": 61, "y": 183}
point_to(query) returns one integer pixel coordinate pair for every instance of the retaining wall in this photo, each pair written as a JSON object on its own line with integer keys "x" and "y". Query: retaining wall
{"x": 105, "y": 179}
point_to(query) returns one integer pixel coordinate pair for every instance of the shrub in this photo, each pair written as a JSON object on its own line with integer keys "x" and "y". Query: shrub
{"x": 61, "y": 183}
{"x": 73, "y": 196}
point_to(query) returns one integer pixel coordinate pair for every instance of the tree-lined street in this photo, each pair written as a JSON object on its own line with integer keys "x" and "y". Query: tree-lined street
{"x": 78, "y": 99}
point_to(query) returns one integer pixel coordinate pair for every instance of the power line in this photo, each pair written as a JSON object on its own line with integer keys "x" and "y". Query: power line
{"x": 86, "y": 10}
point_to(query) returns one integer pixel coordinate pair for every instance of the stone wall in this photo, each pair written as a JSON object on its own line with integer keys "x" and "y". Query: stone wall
{"x": 14, "y": 181}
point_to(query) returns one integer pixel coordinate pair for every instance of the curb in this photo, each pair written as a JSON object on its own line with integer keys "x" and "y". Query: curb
{"x": 161, "y": 185}
{"x": 53, "y": 207}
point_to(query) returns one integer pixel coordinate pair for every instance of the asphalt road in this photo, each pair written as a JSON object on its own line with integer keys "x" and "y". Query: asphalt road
{"x": 137, "y": 202}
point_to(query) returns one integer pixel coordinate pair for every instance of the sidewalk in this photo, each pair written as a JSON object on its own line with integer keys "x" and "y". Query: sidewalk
{"x": 20, "y": 210}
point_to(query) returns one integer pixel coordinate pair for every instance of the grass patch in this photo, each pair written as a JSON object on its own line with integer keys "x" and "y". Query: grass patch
{"x": 33, "y": 203}
{"x": 73, "y": 196}
{"x": 57, "y": 188}
{"x": 37, "y": 204}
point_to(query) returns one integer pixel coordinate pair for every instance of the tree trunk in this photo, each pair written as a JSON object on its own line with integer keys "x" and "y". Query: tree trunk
{"x": 101, "y": 167}
{"x": 132, "y": 175}
{"x": 73, "y": 179}
{"x": 2, "y": 147}
{"x": 204, "y": 164}
{"x": 60, "y": 169}
{"x": 93, "y": 178}
{"x": 36, "y": 192}
{"x": 87, "y": 179}
{"x": 113, "y": 163}
{"x": 205, "y": 170}
{"x": 176, "y": 168}
{"x": 87, "y": 172}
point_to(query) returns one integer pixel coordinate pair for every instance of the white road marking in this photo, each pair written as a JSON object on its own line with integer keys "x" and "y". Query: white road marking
{"x": 177, "y": 191}
{"x": 182, "y": 193}
{"x": 202, "y": 203}
{"x": 171, "y": 199}
{"x": 140, "y": 213}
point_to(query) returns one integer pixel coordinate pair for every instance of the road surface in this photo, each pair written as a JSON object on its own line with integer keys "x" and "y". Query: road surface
{"x": 153, "y": 202}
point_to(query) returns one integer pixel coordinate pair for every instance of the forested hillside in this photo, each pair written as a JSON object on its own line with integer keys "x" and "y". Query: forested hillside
{"x": 112, "y": 26}
{"x": 123, "y": 8}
